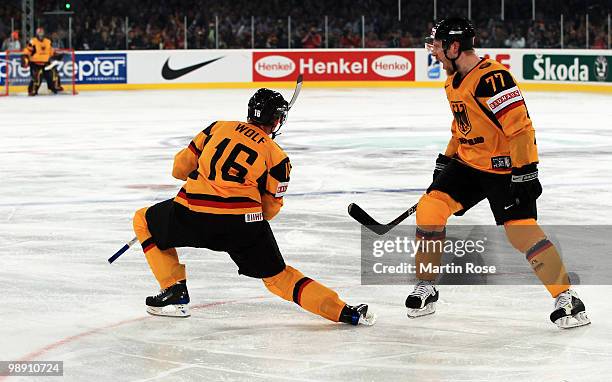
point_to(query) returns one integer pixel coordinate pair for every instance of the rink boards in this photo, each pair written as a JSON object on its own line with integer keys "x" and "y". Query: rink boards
{"x": 535, "y": 69}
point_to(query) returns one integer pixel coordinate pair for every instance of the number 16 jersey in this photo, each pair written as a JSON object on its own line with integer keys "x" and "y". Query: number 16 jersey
{"x": 232, "y": 168}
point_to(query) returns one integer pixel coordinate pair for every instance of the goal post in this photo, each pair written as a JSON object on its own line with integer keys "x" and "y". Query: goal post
{"x": 14, "y": 77}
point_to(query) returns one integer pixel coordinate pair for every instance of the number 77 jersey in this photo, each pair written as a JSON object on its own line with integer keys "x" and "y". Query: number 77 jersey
{"x": 232, "y": 168}
{"x": 491, "y": 129}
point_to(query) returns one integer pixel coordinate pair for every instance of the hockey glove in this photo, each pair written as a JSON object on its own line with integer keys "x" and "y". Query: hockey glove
{"x": 25, "y": 61}
{"x": 524, "y": 186}
{"x": 441, "y": 163}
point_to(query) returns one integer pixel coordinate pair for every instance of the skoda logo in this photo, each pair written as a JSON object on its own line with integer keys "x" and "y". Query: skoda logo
{"x": 601, "y": 68}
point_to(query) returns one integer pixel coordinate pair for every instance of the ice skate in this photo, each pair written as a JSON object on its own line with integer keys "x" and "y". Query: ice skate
{"x": 171, "y": 302}
{"x": 569, "y": 311}
{"x": 422, "y": 300}
{"x": 356, "y": 315}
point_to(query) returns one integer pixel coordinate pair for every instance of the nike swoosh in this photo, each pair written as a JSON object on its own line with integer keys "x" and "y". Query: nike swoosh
{"x": 172, "y": 74}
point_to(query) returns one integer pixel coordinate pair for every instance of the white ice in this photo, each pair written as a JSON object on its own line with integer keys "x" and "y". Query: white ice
{"x": 74, "y": 169}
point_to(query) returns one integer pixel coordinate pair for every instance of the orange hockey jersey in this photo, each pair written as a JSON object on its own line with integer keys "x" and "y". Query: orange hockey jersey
{"x": 232, "y": 168}
{"x": 39, "y": 51}
{"x": 491, "y": 130}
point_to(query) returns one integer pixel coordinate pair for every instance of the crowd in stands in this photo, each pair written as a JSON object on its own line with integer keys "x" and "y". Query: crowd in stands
{"x": 208, "y": 24}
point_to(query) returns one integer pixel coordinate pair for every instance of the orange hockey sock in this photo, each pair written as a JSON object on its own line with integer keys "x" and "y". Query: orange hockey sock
{"x": 316, "y": 298}
{"x": 164, "y": 264}
{"x": 549, "y": 268}
{"x": 429, "y": 254}
{"x": 526, "y": 236}
{"x": 433, "y": 211}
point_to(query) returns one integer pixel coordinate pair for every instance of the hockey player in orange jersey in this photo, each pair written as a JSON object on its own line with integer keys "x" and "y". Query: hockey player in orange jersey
{"x": 236, "y": 177}
{"x": 492, "y": 155}
{"x": 38, "y": 55}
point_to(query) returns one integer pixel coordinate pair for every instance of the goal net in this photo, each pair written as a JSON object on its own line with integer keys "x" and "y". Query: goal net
{"x": 14, "y": 78}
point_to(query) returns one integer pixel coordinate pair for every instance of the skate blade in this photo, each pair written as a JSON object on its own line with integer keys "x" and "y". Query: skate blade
{"x": 169, "y": 311}
{"x": 575, "y": 321}
{"x": 425, "y": 311}
{"x": 368, "y": 320}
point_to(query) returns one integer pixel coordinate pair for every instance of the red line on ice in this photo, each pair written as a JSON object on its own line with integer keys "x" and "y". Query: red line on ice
{"x": 37, "y": 353}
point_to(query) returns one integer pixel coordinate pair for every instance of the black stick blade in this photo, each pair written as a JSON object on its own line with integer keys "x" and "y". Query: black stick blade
{"x": 366, "y": 220}
{"x": 360, "y": 215}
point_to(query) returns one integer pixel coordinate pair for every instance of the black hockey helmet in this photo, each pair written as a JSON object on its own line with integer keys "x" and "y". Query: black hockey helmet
{"x": 449, "y": 30}
{"x": 266, "y": 107}
{"x": 453, "y": 29}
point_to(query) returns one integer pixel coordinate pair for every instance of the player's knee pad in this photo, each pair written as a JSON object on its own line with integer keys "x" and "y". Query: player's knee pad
{"x": 523, "y": 234}
{"x": 286, "y": 283}
{"x": 434, "y": 209}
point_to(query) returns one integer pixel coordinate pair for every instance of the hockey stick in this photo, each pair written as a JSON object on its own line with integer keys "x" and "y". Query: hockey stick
{"x": 52, "y": 65}
{"x": 296, "y": 92}
{"x": 365, "y": 219}
{"x": 126, "y": 246}
{"x": 122, "y": 250}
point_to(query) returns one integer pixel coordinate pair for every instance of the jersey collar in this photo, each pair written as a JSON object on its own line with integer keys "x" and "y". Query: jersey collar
{"x": 457, "y": 80}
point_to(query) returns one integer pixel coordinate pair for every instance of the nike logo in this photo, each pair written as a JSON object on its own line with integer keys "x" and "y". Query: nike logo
{"x": 516, "y": 203}
{"x": 172, "y": 74}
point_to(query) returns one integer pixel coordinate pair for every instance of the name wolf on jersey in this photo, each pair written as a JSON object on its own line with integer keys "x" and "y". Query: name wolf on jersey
{"x": 250, "y": 133}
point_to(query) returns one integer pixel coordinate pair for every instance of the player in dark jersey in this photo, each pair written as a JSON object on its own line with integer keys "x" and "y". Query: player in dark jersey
{"x": 491, "y": 155}
{"x": 236, "y": 177}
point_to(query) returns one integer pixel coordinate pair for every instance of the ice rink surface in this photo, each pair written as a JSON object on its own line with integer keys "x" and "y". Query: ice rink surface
{"x": 74, "y": 169}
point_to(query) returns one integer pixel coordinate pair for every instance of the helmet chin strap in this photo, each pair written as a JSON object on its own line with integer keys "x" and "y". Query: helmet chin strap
{"x": 280, "y": 122}
{"x": 452, "y": 60}
{"x": 275, "y": 133}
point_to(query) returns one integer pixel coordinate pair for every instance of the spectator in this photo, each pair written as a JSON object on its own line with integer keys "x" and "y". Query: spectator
{"x": 349, "y": 40}
{"x": 599, "y": 41}
{"x": 372, "y": 41}
{"x": 312, "y": 39}
{"x": 135, "y": 40}
{"x": 407, "y": 41}
{"x": 272, "y": 41}
{"x": 484, "y": 39}
{"x": 56, "y": 41}
{"x": 394, "y": 40}
{"x": 211, "y": 39}
{"x": 514, "y": 41}
{"x": 12, "y": 42}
